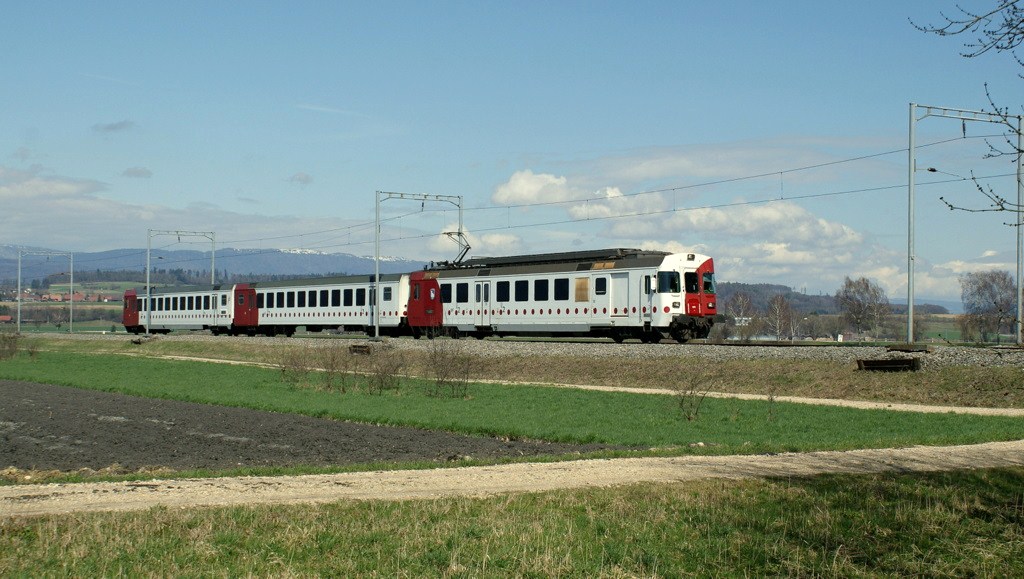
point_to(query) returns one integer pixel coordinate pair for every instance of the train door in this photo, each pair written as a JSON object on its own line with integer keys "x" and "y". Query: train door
{"x": 619, "y": 298}
{"x": 425, "y": 309}
{"x": 246, "y": 314}
{"x": 483, "y": 303}
{"x": 130, "y": 315}
{"x": 693, "y": 299}
{"x": 647, "y": 291}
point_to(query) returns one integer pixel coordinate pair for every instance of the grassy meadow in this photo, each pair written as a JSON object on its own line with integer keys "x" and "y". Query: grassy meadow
{"x": 946, "y": 524}
{"x": 956, "y": 523}
{"x": 640, "y": 421}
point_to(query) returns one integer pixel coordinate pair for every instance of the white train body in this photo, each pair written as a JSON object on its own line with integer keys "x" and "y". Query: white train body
{"x": 617, "y": 293}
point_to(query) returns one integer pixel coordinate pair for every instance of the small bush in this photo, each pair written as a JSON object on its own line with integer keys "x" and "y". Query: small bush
{"x": 336, "y": 363}
{"x": 692, "y": 394}
{"x": 450, "y": 366}
{"x": 8, "y": 345}
{"x": 295, "y": 365}
{"x": 386, "y": 365}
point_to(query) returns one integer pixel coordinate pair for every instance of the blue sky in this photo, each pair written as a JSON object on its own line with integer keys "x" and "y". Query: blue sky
{"x": 273, "y": 124}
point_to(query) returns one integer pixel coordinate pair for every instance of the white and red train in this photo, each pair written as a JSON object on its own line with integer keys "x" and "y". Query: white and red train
{"x": 615, "y": 293}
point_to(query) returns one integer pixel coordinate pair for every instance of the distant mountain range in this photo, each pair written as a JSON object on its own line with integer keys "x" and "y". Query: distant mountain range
{"x": 302, "y": 262}
{"x": 233, "y": 261}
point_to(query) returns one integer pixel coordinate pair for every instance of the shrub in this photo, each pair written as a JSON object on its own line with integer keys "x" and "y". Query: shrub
{"x": 450, "y": 366}
{"x": 8, "y": 345}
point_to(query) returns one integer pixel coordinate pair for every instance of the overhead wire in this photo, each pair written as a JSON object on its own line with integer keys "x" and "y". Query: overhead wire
{"x": 349, "y": 229}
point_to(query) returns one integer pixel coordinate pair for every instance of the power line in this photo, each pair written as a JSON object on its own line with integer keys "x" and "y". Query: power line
{"x": 323, "y": 243}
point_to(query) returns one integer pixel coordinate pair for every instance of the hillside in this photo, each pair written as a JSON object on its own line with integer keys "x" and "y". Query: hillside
{"x": 761, "y": 293}
{"x": 229, "y": 262}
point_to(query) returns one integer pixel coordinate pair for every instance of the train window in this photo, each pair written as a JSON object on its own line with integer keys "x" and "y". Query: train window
{"x": 647, "y": 285}
{"x": 174, "y": 303}
{"x": 361, "y": 296}
{"x": 446, "y": 293}
{"x": 159, "y": 304}
{"x": 280, "y": 299}
{"x": 501, "y": 292}
{"x": 583, "y": 289}
{"x": 709, "y": 283}
{"x": 348, "y": 297}
{"x": 522, "y": 290}
{"x": 223, "y": 299}
{"x": 668, "y": 282}
{"x": 191, "y": 303}
{"x": 241, "y": 299}
{"x": 167, "y": 304}
{"x": 323, "y": 298}
{"x": 312, "y": 299}
{"x": 462, "y": 293}
{"x": 335, "y": 298}
{"x": 562, "y": 289}
{"x": 302, "y": 299}
{"x": 260, "y": 301}
{"x": 416, "y": 291}
{"x": 270, "y": 299}
{"x": 692, "y": 286}
{"x": 600, "y": 285}
{"x": 206, "y": 302}
{"x": 540, "y": 290}
{"x": 138, "y": 304}
{"x": 291, "y": 299}
{"x": 387, "y": 294}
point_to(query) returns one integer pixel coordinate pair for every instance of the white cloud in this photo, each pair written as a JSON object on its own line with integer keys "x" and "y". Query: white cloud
{"x": 65, "y": 213}
{"x": 490, "y": 244}
{"x": 25, "y": 186}
{"x": 115, "y": 127}
{"x": 137, "y": 173}
{"x": 528, "y": 187}
{"x": 301, "y": 179}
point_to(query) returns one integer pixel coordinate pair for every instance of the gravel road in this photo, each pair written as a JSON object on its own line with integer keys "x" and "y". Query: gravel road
{"x": 51, "y": 499}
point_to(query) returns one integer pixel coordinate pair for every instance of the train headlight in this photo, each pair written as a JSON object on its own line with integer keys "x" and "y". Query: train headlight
{"x": 711, "y": 305}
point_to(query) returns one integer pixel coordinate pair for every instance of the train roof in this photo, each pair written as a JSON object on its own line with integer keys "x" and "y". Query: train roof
{"x": 283, "y": 284}
{"x": 612, "y": 254}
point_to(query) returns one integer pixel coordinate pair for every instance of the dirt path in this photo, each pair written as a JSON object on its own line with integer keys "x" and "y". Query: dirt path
{"x": 481, "y": 481}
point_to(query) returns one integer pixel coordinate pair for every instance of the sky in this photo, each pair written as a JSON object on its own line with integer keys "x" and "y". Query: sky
{"x": 771, "y": 136}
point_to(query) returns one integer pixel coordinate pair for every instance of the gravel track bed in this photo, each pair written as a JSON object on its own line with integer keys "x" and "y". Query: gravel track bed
{"x": 939, "y": 356}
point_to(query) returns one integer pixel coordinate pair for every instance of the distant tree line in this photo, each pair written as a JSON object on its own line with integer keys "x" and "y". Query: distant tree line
{"x": 861, "y": 307}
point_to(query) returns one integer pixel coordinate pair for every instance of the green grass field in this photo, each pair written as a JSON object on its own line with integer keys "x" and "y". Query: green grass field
{"x": 725, "y": 426}
{"x": 948, "y": 524}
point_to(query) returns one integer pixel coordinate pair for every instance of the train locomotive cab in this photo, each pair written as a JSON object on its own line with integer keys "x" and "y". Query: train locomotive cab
{"x": 686, "y": 305}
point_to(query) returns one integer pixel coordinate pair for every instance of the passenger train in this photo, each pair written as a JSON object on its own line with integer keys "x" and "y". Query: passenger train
{"x": 614, "y": 293}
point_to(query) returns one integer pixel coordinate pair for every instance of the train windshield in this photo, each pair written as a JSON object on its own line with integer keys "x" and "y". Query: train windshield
{"x": 668, "y": 282}
{"x": 709, "y": 283}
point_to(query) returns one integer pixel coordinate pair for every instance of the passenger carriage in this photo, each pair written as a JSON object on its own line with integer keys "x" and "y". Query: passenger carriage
{"x": 615, "y": 293}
